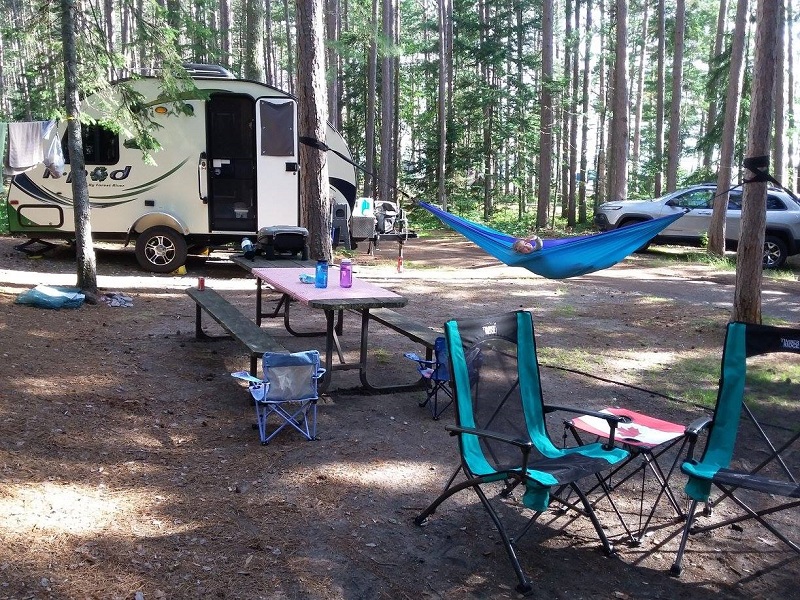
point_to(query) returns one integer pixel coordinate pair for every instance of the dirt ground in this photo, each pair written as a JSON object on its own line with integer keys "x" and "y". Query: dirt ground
{"x": 130, "y": 468}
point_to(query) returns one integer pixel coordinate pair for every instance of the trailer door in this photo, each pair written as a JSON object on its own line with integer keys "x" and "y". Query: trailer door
{"x": 276, "y": 149}
{"x": 231, "y": 163}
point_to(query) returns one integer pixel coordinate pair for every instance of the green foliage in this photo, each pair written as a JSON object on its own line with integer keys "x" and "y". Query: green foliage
{"x": 123, "y": 110}
{"x": 699, "y": 175}
{"x": 4, "y": 226}
{"x": 493, "y": 130}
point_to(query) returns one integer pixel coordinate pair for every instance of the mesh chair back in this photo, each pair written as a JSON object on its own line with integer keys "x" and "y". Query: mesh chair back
{"x": 753, "y": 404}
{"x": 291, "y": 376}
{"x": 751, "y": 455}
{"x": 486, "y": 375}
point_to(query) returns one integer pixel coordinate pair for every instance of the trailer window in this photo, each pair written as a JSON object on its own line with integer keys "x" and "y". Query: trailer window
{"x": 277, "y": 128}
{"x": 100, "y": 145}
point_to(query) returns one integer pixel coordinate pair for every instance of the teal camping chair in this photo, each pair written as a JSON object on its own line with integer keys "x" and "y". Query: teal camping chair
{"x": 288, "y": 391}
{"x": 501, "y": 431}
{"x": 751, "y": 450}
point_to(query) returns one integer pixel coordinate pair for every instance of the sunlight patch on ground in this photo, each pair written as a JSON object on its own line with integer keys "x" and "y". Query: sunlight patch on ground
{"x": 72, "y": 509}
{"x": 640, "y": 360}
{"x": 390, "y": 475}
{"x": 46, "y": 506}
{"x": 17, "y": 281}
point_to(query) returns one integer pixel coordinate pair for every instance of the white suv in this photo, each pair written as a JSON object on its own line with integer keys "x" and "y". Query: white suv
{"x": 782, "y": 235}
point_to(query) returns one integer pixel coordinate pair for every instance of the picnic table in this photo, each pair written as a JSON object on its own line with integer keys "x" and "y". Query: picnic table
{"x": 333, "y": 300}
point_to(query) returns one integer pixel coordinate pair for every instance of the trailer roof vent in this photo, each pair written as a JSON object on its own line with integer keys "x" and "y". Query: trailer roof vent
{"x": 203, "y": 70}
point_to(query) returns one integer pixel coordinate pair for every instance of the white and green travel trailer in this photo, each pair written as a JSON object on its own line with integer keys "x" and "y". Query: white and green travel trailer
{"x": 225, "y": 172}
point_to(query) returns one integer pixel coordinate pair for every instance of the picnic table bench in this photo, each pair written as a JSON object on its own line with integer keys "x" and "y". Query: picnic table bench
{"x": 231, "y": 319}
{"x": 408, "y": 327}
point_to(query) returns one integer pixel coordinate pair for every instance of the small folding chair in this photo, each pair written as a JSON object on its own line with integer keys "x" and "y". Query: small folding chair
{"x": 437, "y": 376}
{"x": 751, "y": 453}
{"x": 288, "y": 390}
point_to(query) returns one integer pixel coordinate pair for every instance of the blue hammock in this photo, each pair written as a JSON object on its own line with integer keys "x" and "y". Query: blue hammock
{"x": 564, "y": 257}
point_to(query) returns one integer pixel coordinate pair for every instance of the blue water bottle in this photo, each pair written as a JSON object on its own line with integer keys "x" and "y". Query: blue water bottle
{"x": 321, "y": 276}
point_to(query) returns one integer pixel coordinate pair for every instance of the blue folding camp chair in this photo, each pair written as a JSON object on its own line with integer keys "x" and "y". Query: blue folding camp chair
{"x": 501, "y": 429}
{"x": 437, "y": 377}
{"x": 751, "y": 455}
{"x": 288, "y": 391}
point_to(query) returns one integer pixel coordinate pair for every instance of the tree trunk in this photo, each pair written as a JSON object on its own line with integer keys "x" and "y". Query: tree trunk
{"x": 619, "y": 132}
{"x": 312, "y": 106}
{"x": 110, "y": 31}
{"x": 449, "y": 54}
{"x": 674, "y": 141}
{"x": 711, "y": 114}
{"x": 565, "y": 116}
{"x": 546, "y": 116}
{"x": 144, "y": 57}
{"x": 658, "y": 151}
{"x": 372, "y": 79}
{"x": 716, "y": 231}
{"x": 521, "y": 145}
{"x": 387, "y": 146}
{"x": 269, "y": 46}
{"x": 4, "y": 104}
{"x": 225, "y": 31}
{"x": 84, "y": 249}
{"x": 395, "y": 164}
{"x": 779, "y": 134}
{"x": 333, "y": 26}
{"x": 637, "y": 120}
{"x": 289, "y": 45}
{"x": 790, "y": 99}
{"x": 573, "y": 119}
{"x": 441, "y": 101}
{"x": 125, "y": 37}
{"x": 602, "y": 120}
{"x": 585, "y": 115}
{"x": 174, "y": 14}
{"x": 750, "y": 254}
{"x": 254, "y": 17}
{"x": 488, "y": 115}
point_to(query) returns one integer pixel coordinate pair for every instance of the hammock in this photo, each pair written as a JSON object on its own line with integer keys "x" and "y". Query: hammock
{"x": 564, "y": 257}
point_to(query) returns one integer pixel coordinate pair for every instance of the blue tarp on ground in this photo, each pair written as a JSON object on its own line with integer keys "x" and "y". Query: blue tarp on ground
{"x": 45, "y": 296}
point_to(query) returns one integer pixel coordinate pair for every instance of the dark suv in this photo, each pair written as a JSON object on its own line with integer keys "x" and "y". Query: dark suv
{"x": 782, "y": 235}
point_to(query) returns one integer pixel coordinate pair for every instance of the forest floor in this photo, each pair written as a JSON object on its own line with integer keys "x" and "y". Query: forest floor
{"x": 130, "y": 468}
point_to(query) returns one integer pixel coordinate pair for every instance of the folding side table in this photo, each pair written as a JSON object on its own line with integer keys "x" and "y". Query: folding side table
{"x": 645, "y": 437}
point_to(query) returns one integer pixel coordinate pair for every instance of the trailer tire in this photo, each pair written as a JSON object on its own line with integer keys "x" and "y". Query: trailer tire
{"x": 161, "y": 249}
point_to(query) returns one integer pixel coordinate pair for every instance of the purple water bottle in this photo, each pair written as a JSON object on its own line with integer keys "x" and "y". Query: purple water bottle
{"x": 346, "y": 273}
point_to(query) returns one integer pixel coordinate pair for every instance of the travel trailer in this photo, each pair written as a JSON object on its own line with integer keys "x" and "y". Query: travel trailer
{"x": 224, "y": 173}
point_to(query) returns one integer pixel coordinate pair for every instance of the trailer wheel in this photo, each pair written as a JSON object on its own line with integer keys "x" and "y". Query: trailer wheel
{"x": 160, "y": 249}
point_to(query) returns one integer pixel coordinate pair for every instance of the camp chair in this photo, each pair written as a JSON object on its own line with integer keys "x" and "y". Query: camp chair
{"x": 750, "y": 451}
{"x": 501, "y": 431}
{"x": 437, "y": 377}
{"x": 288, "y": 390}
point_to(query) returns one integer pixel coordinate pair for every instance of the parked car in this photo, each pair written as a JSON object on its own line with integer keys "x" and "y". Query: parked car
{"x": 782, "y": 235}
